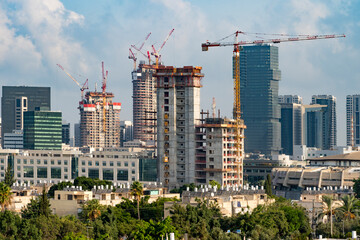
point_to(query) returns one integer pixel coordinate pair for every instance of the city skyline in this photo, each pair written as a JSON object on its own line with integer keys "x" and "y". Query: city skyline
{"x": 79, "y": 35}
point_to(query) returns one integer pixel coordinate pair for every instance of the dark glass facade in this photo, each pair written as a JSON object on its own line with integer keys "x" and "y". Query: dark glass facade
{"x": 42, "y": 130}
{"x": 36, "y": 97}
{"x": 147, "y": 169}
{"x": 259, "y": 87}
{"x": 66, "y": 133}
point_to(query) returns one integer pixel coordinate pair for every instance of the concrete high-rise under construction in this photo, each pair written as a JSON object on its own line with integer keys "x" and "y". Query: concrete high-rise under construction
{"x": 144, "y": 102}
{"x": 99, "y": 120}
{"x": 178, "y": 115}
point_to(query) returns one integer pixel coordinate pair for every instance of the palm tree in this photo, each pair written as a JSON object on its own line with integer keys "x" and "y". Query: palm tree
{"x": 137, "y": 191}
{"x": 348, "y": 206}
{"x": 92, "y": 210}
{"x": 5, "y": 196}
{"x": 328, "y": 201}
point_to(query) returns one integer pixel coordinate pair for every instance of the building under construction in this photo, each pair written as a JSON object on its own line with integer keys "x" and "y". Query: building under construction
{"x": 99, "y": 120}
{"x": 144, "y": 102}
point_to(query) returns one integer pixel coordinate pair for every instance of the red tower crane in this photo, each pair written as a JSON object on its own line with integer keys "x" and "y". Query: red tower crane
{"x": 237, "y": 45}
{"x": 156, "y": 53}
{"x": 103, "y": 87}
{"x": 82, "y": 88}
{"x": 131, "y": 53}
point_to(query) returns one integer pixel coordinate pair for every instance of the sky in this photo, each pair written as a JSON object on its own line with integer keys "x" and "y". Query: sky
{"x": 35, "y": 35}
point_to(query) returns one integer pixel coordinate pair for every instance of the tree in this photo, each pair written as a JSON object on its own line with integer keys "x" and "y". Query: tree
{"x": 356, "y": 187}
{"x": 137, "y": 191}
{"x": 59, "y": 186}
{"x": 329, "y": 211}
{"x": 348, "y": 207}
{"x": 37, "y": 207}
{"x": 214, "y": 183}
{"x": 267, "y": 186}
{"x": 9, "y": 177}
{"x": 91, "y": 210}
{"x": 5, "y": 196}
{"x": 89, "y": 183}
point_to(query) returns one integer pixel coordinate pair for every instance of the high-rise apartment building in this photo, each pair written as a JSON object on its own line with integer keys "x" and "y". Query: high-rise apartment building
{"x": 99, "y": 120}
{"x": 42, "y": 130}
{"x": 353, "y": 120}
{"x": 144, "y": 102}
{"x": 259, "y": 86}
{"x": 223, "y": 164}
{"x": 329, "y": 123}
{"x": 66, "y": 133}
{"x": 178, "y": 114}
{"x": 17, "y": 100}
{"x": 291, "y": 126}
{"x": 290, "y": 99}
{"x": 315, "y": 116}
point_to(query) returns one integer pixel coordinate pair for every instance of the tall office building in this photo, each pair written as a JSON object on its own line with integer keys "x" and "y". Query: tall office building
{"x": 77, "y": 135}
{"x": 144, "y": 102}
{"x": 259, "y": 86}
{"x": 353, "y": 120}
{"x": 290, "y": 99}
{"x": 99, "y": 120}
{"x": 329, "y": 123}
{"x": 314, "y": 122}
{"x": 66, "y": 133}
{"x": 126, "y": 132}
{"x": 178, "y": 114}
{"x": 16, "y": 100}
{"x": 291, "y": 126}
{"x": 42, "y": 130}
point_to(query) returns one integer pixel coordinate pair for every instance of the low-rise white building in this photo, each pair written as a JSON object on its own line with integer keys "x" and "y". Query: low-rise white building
{"x": 301, "y": 152}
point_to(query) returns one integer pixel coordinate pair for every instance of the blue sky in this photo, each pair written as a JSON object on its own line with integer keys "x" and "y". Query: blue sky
{"x": 35, "y": 35}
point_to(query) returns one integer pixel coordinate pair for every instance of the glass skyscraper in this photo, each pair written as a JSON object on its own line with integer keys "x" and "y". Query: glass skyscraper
{"x": 259, "y": 81}
{"x": 42, "y": 130}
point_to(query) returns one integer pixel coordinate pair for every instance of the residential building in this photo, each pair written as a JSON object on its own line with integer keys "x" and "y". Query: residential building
{"x": 259, "y": 86}
{"x": 144, "y": 102}
{"x": 178, "y": 114}
{"x": 223, "y": 162}
{"x": 329, "y": 122}
{"x": 302, "y": 152}
{"x": 99, "y": 120}
{"x": 66, "y": 133}
{"x": 126, "y": 132}
{"x": 291, "y": 126}
{"x": 16, "y": 100}
{"x": 14, "y": 140}
{"x": 352, "y": 120}
{"x": 42, "y": 130}
{"x": 290, "y": 99}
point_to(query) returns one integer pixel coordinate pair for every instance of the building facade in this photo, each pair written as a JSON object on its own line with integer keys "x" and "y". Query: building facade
{"x": 291, "y": 126}
{"x": 178, "y": 114}
{"x": 259, "y": 86}
{"x": 144, "y": 102}
{"x": 314, "y": 125}
{"x": 223, "y": 163}
{"x": 329, "y": 120}
{"x": 99, "y": 120}
{"x": 126, "y": 132}
{"x": 66, "y": 133}
{"x": 16, "y": 100}
{"x": 42, "y": 130}
{"x": 290, "y": 99}
{"x": 352, "y": 120}
{"x": 14, "y": 140}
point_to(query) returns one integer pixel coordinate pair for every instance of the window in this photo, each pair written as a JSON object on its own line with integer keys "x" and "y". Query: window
{"x": 126, "y": 164}
{"x": 42, "y": 172}
{"x": 52, "y": 162}
{"x": 132, "y": 171}
{"x": 65, "y": 162}
{"x": 166, "y": 101}
{"x": 97, "y": 163}
{"x": 211, "y": 159}
{"x": 108, "y": 174}
{"x": 166, "y": 108}
{"x": 59, "y": 162}
{"x": 166, "y": 94}
{"x": 83, "y": 170}
{"x": 90, "y": 163}
{"x": 83, "y": 163}
{"x": 55, "y": 172}
{"x": 104, "y": 163}
{"x": 28, "y": 172}
{"x": 31, "y": 161}
{"x": 19, "y": 175}
{"x": 45, "y": 161}
{"x": 38, "y": 161}
{"x": 58, "y": 196}
{"x": 133, "y": 164}
{"x": 65, "y": 169}
{"x": 119, "y": 164}
{"x": 211, "y": 174}
{"x": 93, "y": 173}
{"x": 18, "y": 161}
{"x": 18, "y": 168}
{"x": 25, "y": 161}
{"x": 122, "y": 175}
{"x": 111, "y": 164}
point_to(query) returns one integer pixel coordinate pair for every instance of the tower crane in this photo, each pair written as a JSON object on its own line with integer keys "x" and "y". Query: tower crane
{"x": 156, "y": 53}
{"x": 131, "y": 53}
{"x": 82, "y": 88}
{"x": 103, "y": 87}
{"x": 237, "y": 45}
